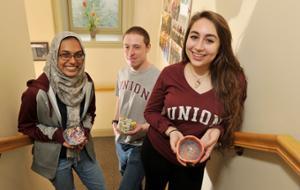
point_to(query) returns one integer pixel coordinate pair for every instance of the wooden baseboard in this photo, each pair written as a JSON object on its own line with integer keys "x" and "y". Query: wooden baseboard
{"x": 102, "y": 132}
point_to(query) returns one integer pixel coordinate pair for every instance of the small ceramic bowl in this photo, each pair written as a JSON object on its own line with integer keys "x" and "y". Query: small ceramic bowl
{"x": 74, "y": 135}
{"x": 126, "y": 124}
{"x": 190, "y": 150}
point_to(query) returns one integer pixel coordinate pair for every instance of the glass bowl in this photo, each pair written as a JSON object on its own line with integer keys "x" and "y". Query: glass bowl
{"x": 74, "y": 135}
{"x": 126, "y": 124}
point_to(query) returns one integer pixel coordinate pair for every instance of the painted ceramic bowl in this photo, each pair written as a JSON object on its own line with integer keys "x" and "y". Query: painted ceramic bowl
{"x": 74, "y": 135}
{"x": 126, "y": 124}
{"x": 190, "y": 150}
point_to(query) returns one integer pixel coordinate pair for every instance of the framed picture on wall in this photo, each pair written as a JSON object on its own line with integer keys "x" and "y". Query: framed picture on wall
{"x": 39, "y": 50}
{"x": 174, "y": 22}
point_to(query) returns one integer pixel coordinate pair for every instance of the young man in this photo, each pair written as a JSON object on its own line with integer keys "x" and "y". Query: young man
{"x": 133, "y": 89}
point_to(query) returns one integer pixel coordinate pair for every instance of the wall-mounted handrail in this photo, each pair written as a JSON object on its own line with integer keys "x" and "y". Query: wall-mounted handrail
{"x": 104, "y": 88}
{"x": 13, "y": 142}
{"x": 284, "y": 146}
{"x": 19, "y": 140}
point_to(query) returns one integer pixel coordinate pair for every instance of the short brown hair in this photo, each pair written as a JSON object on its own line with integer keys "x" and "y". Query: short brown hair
{"x": 140, "y": 31}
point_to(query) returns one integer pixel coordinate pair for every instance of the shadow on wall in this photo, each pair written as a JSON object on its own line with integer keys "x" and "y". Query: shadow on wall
{"x": 267, "y": 47}
{"x": 229, "y": 9}
{"x": 275, "y": 161}
{"x": 220, "y": 165}
{"x": 238, "y": 14}
{"x": 269, "y": 53}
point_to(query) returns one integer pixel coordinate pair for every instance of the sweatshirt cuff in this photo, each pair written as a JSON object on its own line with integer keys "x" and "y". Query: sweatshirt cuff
{"x": 221, "y": 131}
{"x": 58, "y": 135}
{"x": 86, "y": 132}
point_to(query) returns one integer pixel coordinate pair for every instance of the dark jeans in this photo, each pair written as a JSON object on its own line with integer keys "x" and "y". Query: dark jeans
{"x": 159, "y": 171}
{"x": 131, "y": 166}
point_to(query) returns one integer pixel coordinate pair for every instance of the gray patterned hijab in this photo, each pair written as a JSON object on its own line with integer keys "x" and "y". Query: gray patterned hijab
{"x": 70, "y": 91}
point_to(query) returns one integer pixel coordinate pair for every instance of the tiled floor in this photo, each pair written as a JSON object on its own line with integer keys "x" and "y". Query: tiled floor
{"x": 106, "y": 155}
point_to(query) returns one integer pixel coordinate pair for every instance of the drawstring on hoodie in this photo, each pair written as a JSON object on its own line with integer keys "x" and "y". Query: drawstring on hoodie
{"x": 50, "y": 107}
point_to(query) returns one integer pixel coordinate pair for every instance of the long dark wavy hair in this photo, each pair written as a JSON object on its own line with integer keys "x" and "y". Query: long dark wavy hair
{"x": 227, "y": 76}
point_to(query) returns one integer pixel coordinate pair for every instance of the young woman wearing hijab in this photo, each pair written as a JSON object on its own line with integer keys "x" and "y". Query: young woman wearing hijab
{"x": 61, "y": 98}
{"x": 203, "y": 95}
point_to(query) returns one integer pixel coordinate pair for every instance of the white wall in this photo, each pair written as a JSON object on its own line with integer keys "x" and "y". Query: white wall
{"x": 265, "y": 36}
{"x": 266, "y": 39}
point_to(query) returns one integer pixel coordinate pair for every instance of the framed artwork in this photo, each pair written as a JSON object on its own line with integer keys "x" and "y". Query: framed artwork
{"x": 105, "y": 14}
{"x": 39, "y": 50}
{"x": 174, "y": 22}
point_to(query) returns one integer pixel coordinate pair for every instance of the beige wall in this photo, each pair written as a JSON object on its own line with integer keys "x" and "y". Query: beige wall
{"x": 104, "y": 63}
{"x": 17, "y": 67}
{"x": 266, "y": 40}
{"x": 101, "y": 63}
{"x": 40, "y": 24}
{"x": 148, "y": 15}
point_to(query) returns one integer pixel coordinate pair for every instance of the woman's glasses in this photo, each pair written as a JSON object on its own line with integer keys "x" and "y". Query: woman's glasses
{"x": 66, "y": 56}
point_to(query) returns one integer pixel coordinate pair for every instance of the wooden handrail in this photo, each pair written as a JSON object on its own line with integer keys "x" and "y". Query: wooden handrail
{"x": 104, "y": 88}
{"x": 19, "y": 140}
{"x": 13, "y": 142}
{"x": 284, "y": 146}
